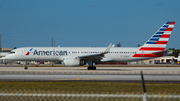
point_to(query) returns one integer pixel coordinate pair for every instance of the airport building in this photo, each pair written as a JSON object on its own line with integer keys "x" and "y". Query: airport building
{"x": 160, "y": 60}
{"x": 4, "y": 52}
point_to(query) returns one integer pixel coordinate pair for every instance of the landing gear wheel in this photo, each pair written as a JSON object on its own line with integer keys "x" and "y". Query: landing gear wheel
{"x": 94, "y": 68}
{"x": 25, "y": 68}
{"x": 89, "y": 68}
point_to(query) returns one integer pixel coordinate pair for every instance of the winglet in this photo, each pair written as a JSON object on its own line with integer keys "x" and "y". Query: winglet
{"x": 108, "y": 48}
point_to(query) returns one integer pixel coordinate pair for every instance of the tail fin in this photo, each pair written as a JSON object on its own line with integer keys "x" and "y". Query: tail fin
{"x": 158, "y": 42}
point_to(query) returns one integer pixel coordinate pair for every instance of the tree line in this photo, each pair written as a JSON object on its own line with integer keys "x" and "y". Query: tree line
{"x": 175, "y": 52}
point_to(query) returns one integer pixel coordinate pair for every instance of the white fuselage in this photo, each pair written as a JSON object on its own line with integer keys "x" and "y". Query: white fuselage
{"x": 59, "y": 53}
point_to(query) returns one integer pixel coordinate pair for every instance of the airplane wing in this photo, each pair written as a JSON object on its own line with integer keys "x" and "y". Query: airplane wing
{"x": 96, "y": 56}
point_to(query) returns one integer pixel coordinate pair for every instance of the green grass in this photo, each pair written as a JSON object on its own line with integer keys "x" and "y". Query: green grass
{"x": 86, "y": 87}
{"x": 100, "y": 87}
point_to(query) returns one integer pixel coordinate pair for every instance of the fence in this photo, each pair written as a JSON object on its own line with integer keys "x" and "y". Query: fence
{"x": 24, "y": 95}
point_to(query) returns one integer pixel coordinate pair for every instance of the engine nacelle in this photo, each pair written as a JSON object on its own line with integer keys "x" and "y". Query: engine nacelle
{"x": 70, "y": 62}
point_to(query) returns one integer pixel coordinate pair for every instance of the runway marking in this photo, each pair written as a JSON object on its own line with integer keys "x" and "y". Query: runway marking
{"x": 82, "y": 79}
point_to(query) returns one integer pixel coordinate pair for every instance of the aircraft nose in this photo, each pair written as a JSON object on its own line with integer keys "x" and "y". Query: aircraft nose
{"x": 7, "y": 56}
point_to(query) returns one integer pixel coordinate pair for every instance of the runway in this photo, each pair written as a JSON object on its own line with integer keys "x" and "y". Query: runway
{"x": 110, "y": 74}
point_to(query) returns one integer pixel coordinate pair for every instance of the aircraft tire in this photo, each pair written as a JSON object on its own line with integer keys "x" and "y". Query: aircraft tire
{"x": 94, "y": 68}
{"x": 25, "y": 68}
{"x": 88, "y": 68}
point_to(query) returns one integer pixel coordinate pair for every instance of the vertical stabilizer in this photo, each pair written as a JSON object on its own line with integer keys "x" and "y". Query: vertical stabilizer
{"x": 157, "y": 42}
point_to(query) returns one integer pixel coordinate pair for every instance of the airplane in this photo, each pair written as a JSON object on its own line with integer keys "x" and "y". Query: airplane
{"x": 76, "y": 56}
{"x": 178, "y": 57}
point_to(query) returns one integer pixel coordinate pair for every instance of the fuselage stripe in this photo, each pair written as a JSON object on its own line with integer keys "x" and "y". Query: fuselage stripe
{"x": 147, "y": 55}
{"x": 151, "y": 49}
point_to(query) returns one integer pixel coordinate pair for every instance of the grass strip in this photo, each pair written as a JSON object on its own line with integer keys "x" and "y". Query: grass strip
{"x": 89, "y": 87}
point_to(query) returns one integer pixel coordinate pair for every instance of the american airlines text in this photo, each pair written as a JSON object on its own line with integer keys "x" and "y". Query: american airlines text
{"x": 49, "y": 53}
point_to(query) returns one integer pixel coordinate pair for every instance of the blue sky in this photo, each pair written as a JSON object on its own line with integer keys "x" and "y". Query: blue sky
{"x": 85, "y": 23}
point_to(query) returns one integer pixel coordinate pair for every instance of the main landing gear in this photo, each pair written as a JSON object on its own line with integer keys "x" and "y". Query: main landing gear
{"x": 25, "y": 67}
{"x": 91, "y": 67}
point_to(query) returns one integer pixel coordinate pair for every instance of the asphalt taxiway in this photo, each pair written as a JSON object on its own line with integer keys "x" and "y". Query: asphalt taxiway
{"x": 125, "y": 74}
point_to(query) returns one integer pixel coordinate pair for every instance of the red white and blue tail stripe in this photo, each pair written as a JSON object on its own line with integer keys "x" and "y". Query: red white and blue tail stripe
{"x": 157, "y": 43}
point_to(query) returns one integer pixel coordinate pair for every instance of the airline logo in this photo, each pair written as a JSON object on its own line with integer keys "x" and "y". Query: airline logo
{"x": 157, "y": 42}
{"x": 47, "y": 53}
{"x": 161, "y": 37}
{"x": 29, "y": 51}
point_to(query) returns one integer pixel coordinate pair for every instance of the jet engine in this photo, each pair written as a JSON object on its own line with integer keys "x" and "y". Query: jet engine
{"x": 70, "y": 62}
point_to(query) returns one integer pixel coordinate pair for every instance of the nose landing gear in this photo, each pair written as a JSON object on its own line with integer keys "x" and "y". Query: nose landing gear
{"x": 25, "y": 67}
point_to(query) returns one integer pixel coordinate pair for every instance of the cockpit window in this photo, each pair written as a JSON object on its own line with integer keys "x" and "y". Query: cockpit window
{"x": 12, "y": 52}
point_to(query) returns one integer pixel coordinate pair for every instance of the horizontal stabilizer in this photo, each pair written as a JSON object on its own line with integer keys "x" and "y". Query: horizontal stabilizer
{"x": 164, "y": 52}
